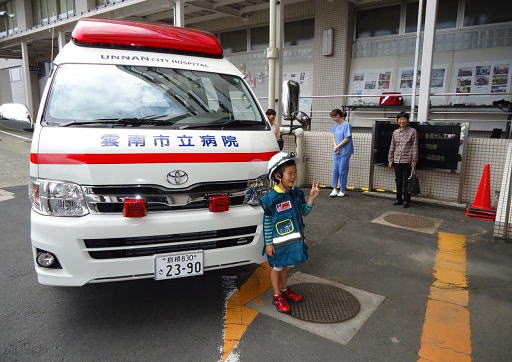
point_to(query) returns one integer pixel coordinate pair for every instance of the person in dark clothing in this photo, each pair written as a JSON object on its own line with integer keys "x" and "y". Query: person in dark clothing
{"x": 403, "y": 156}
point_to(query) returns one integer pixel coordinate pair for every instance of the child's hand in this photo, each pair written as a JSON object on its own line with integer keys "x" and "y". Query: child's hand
{"x": 270, "y": 250}
{"x": 315, "y": 191}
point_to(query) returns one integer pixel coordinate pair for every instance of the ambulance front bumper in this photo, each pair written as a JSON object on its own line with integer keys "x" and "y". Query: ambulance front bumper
{"x": 65, "y": 237}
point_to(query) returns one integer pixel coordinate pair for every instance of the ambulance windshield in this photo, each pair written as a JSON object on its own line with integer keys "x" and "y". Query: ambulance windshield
{"x": 94, "y": 95}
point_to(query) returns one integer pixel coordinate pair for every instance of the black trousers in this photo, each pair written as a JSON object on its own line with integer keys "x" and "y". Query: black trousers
{"x": 402, "y": 173}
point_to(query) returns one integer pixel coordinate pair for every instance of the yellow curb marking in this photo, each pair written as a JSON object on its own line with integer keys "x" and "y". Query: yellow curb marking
{"x": 447, "y": 330}
{"x": 238, "y": 316}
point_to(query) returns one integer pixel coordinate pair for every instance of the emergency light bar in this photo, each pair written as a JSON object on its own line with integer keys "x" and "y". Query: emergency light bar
{"x": 137, "y": 35}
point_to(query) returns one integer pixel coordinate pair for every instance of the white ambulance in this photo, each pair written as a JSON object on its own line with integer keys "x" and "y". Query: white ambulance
{"x": 146, "y": 141}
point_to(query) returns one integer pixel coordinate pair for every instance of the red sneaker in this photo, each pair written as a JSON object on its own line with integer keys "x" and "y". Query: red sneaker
{"x": 292, "y": 296}
{"x": 281, "y": 304}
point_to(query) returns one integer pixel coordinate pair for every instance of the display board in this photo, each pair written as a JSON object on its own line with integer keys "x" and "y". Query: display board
{"x": 438, "y": 144}
{"x": 371, "y": 82}
{"x": 483, "y": 77}
{"x": 437, "y": 82}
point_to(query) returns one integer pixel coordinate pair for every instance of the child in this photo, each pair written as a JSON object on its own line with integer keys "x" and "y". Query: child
{"x": 283, "y": 227}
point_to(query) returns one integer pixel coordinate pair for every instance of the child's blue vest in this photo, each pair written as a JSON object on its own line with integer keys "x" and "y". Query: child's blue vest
{"x": 286, "y": 211}
{"x": 287, "y": 227}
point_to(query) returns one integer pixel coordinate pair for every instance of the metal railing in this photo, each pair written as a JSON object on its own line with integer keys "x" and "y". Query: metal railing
{"x": 357, "y": 113}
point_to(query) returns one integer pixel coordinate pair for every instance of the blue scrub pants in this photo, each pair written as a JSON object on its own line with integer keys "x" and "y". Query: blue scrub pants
{"x": 340, "y": 171}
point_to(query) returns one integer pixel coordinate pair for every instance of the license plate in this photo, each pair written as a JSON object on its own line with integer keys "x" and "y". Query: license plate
{"x": 179, "y": 265}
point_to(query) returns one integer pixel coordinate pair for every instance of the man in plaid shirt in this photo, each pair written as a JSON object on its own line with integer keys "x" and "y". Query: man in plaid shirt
{"x": 403, "y": 156}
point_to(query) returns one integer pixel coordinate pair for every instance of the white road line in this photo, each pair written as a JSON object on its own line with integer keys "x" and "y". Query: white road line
{"x": 6, "y": 195}
{"x": 15, "y": 135}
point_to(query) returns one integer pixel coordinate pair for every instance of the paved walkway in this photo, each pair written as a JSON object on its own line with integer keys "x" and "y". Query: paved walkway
{"x": 447, "y": 288}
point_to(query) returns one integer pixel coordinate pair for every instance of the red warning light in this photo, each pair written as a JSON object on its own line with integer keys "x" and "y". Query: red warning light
{"x": 140, "y": 35}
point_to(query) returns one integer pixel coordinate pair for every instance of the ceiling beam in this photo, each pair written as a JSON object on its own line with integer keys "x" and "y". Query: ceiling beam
{"x": 218, "y": 4}
{"x": 207, "y": 6}
{"x": 265, "y": 6}
{"x": 200, "y": 19}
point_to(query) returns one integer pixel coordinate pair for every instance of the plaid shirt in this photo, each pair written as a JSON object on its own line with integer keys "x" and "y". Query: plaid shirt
{"x": 404, "y": 146}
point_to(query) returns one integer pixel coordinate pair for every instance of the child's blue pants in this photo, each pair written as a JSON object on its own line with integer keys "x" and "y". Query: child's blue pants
{"x": 340, "y": 171}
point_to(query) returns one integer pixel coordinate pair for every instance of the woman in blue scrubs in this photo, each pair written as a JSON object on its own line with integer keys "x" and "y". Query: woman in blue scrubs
{"x": 343, "y": 148}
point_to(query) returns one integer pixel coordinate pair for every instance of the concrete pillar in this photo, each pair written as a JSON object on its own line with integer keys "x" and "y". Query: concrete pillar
{"x": 26, "y": 77}
{"x": 61, "y": 39}
{"x": 416, "y": 59}
{"x": 279, "y": 63}
{"x": 179, "y": 13}
{"x": 426, "y": 60}
{"x": 272, "y": 54}
{"x": 331, "y": 72}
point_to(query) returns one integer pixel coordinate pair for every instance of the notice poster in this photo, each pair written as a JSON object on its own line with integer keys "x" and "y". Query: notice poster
{"x": 437, "y": 81}
{"x": 500, "y": 82}
{"x": 483, "y": 78}
{"x": 371, "y": 82}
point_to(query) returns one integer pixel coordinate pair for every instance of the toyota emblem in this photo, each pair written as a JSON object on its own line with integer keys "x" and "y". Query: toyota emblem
{"x": 177, "y": 177}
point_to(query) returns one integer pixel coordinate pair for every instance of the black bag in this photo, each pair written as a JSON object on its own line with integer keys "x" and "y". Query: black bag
{"x": 413, "y": 184}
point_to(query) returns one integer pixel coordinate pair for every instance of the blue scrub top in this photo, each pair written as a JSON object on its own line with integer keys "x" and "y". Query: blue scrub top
{"x": 340, "y": 132}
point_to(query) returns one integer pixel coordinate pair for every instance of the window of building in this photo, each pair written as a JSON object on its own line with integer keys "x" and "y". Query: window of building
{"x": 234, "y": 41}
{"x": 478, "y": 12}
{"x": 259, "y": 38}
{"x": 378, "y": 21}
{"x": 446, "y": 15}
{"x": 8, "y": 19}
{"x": 301, "y": 32}
{"x": 51, "y": 10}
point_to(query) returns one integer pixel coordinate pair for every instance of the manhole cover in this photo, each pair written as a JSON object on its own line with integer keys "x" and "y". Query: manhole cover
{"x": 410, "y": 221}
{"x": 324, "y": 304}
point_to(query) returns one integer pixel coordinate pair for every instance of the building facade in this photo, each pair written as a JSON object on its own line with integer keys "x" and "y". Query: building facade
{"x": 341, "y": 52}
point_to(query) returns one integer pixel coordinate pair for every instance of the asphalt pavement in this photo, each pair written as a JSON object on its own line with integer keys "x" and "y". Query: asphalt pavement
{"x": 185, "y": 319}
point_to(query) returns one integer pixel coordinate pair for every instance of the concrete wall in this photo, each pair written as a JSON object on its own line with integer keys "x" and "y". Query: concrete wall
{"x": 5, "y": 87}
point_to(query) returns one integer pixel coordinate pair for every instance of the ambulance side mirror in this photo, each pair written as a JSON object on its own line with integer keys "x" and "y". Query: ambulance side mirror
{"x": 15, "y": 116}
{"x": 290, "y": 97}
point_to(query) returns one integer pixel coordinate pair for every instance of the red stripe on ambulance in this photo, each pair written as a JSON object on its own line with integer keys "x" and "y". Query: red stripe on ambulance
{"x": 130, "y": 158}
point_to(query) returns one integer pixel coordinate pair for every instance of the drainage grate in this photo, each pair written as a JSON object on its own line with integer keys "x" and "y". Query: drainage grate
{"x": 324, "y": 304}
{"x": 410, "y": 221}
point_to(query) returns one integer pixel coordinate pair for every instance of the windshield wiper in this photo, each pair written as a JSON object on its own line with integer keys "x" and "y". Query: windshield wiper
{"x": 233, "y": 122}
{"x": 151, "y": 119}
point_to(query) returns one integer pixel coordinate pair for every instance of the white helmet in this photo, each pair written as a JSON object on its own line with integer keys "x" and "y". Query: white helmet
{"x": 279, "y": 159}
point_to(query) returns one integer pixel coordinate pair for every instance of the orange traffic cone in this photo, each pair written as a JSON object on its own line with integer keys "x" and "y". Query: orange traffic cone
{"x": 481, "y": 207}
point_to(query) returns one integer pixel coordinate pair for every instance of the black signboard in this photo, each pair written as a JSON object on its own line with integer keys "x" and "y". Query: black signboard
{"x": 438, "y": 144}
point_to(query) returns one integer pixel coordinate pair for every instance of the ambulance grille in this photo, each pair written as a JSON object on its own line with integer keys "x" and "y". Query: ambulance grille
{"x": 110, "y": 199}
{"x": 130, "y": 247}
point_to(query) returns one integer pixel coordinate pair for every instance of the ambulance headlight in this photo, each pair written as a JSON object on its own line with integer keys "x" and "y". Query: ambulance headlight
{"x": 57, "y": 198}
{"x": 256, "y": 189}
